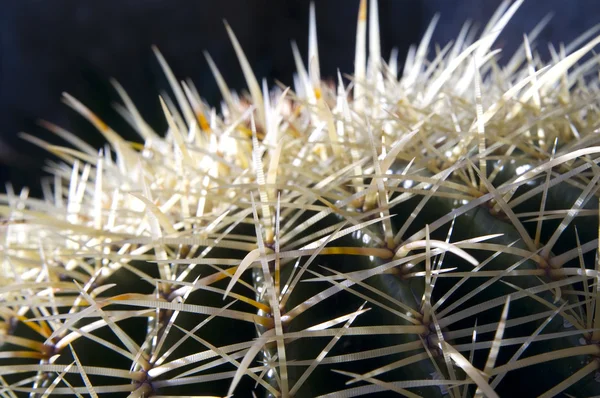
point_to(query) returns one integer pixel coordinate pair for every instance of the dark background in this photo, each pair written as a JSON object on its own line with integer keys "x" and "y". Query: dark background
{"x": 47, "y": 47}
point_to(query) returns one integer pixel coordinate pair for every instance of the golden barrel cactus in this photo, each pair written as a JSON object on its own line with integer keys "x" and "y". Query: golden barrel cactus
{"x": 425, "y": 232}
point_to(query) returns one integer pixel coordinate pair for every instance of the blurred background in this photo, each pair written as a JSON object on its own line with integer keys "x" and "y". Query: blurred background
{"x": 47, "y": 47}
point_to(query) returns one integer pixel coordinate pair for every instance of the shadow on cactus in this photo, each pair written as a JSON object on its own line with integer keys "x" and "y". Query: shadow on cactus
{"x": 429, "y": 235}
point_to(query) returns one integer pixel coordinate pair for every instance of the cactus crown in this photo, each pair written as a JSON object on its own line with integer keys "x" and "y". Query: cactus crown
{"x": 433, "y": 234}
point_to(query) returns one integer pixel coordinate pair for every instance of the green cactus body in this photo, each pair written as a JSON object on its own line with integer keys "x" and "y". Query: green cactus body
{"x": 429, "y": 235}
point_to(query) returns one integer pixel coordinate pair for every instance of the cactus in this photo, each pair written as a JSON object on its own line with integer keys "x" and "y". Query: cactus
{"x": 429, "y": 235}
